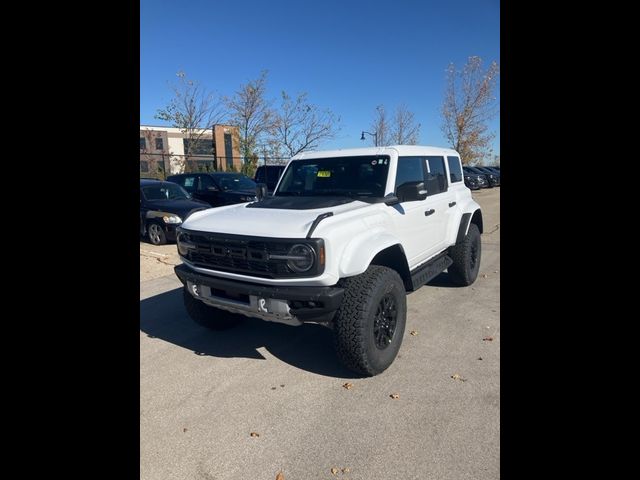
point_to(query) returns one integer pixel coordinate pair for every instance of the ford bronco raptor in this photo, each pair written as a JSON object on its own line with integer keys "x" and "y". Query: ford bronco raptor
{"x": 346, "y": 234}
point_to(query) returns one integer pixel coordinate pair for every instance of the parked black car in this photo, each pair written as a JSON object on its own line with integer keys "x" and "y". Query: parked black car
{"x": 491, "y": 179}
{"x": 474, "y": 180}
{"x": 269, "y": 174}
{"x": 493, "y": 175}
{"x": 163, "y": 207}
{"x": 219, "y": 188}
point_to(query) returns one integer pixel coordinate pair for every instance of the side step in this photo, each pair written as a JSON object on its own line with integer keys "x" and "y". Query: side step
{"x": 430, "y": 270}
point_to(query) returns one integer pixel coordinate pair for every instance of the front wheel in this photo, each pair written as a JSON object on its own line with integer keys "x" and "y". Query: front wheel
{"x": 369, "y": 325}
{"x": 156, "y": 234}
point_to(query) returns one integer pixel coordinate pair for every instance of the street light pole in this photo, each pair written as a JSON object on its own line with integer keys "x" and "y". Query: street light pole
{"x": 374, "y": 135}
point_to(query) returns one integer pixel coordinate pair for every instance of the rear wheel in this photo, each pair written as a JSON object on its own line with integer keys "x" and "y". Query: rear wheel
{"x": 466, "y": 258}
{"x": 207, "y": 316}
{"x": 369, "y": 325}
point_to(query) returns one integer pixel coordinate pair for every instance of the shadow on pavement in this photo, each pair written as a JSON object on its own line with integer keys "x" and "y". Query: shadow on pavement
{"x": 308, "y": 347}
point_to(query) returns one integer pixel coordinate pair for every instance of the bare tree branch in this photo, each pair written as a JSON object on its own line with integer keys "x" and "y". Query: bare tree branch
{"x": 405, "y": 130}
{"x": 194, "y": 111}
{"x": 251, "y": 112}
{"x": 381, "y": 126}
{"x": 468, "y": 105}
{"x": 300, "y": 126}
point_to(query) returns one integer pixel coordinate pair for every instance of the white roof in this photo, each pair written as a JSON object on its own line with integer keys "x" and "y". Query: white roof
{"x": 401, "y": 150}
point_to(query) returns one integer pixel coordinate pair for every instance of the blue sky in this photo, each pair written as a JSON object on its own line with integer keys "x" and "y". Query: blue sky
{"x": 349, "y": 55}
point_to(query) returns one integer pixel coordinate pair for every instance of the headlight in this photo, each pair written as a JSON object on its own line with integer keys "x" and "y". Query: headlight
{"x": 172, "y": 219}
{"x": 184, "y": 245}
{"x": 301, "y": 258}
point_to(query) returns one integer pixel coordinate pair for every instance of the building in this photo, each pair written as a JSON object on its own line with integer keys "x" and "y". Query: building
{"x": 162, "y": 151}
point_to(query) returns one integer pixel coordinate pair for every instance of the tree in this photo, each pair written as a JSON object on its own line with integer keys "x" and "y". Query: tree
{"x": 381, "y": 126}
{"x": 299, "y": 125}
{"x": 250, "y": 111}
{"x": 405, "y": 130}
{"x": 468, "y": 105}
{"x": 194, "y": 111}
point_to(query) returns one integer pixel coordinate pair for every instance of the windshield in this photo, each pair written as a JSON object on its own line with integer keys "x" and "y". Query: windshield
{"x": 361, "y": 176}
{"x": 164, "y": 191}
{"x": 235, "y": 182}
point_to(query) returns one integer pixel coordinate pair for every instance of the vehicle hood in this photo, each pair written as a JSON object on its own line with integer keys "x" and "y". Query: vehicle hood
{"x": 249, "y": 219}
{"x": 179, "y": 207}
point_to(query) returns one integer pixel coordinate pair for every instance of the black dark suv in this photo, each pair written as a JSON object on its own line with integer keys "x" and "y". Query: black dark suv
{"x": 218, "y": 189}
{"x": 163, "y": 207}
{"x": 474, "y": 180}
{"x": 269, "y": 174}
{"x": 492, "y": 174}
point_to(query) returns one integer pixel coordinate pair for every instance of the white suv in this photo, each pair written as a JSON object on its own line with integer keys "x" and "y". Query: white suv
{"x": 343, "y": 238}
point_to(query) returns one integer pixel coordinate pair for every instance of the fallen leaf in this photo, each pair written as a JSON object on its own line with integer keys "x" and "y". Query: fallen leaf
{"x": 254, "y": 434}
{"x": 273, "y": 388}
{"x": 479, "y": 358}
{"x": 346, "y": 470}
{"x": 334, "y": 471}
{"x": 395, "y": 396}
{"x": 495, "y": 271}
{"x": 184, "y": 430}
{"x": 348, "y": 385}
{"x": 413, "y": 332}
{"x": 487, "y": 339}
{"x": 455, "y": 376}
{"x": 280, "y": 476}
{"x": 282, "y": 386}
{"x": 484, "y": 275}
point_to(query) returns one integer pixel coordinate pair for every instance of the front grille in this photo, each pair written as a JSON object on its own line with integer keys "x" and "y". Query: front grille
{"x": 244, "y": 255}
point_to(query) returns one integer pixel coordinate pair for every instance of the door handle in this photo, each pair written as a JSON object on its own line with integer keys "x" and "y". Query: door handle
{"x": 452, "y": 204}
{"x": 429, "y": 212}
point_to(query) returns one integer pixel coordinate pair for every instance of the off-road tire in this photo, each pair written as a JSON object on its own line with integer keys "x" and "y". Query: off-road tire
{"x": 207, "y": 316}
{"x": 466, "y": 258}
{"x": 354, "y": 321}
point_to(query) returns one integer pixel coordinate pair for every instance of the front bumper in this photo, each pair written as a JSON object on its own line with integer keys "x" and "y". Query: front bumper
{"x": 284, "y": 304}
{"x": 170, "y": 231}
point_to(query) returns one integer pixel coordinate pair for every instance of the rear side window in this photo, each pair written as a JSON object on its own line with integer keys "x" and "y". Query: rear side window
{"x": 455, "y": 170}
{"x": 410, "y": 169}
{"x": 436, "y": 176}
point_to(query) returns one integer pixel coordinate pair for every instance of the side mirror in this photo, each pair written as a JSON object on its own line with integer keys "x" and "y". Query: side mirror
{"x": 411, "y": 192}
{"x": 261, "y": 191}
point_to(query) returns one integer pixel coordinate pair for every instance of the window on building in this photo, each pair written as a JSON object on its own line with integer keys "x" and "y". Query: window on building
{"x": 159, "y": 144}
{"x": 143, "y": 143}
{"x": 202, "y": 146}
{"x": 144, "y": 166}
{"x": 455, "y": 170}
{"x": 436, "y": 176}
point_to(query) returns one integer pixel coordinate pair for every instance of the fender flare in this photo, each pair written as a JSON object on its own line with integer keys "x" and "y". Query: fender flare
{"x": 362, "y": 249}
{"x": 466, "y": 220}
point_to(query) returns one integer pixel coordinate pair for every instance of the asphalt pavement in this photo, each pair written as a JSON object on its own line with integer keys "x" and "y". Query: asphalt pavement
{"x": 203, "y": 393}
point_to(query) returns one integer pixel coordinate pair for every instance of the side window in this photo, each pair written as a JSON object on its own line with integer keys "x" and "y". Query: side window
{"x": 143, "y": 143}
{"x": 455, "y": 171}
{"x": 436, "y": 176}
{"x": 189, "y": 183}
{"x": 206, "y": 181}
{"x": 410, "y": 169}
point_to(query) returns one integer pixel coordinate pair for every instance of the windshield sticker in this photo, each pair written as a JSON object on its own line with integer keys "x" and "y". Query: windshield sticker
{"x": 374, "y": 162}
{"x": 324, "y": 173}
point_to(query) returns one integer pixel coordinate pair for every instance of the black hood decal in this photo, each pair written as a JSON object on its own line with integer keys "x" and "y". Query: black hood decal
{"x": 300, "y": 203}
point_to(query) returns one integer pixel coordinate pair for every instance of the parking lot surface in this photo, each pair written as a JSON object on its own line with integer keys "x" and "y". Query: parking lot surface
{"x": 203, "y": 393}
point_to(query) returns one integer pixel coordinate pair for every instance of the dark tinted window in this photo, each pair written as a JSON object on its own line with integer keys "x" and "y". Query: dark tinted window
{"x": 235, "y": 182}
{"x": 206, "y": 181}
{"x": 455, "y": 171}
{"x": 143, "y": 143}
{"x": 410, "y": 169}
{"x": 144, "y": 166}
{"x": 159, "y": 145}
{"x": 187, "y": 181}
{"x": 201, "y": 146}
{"x": 436, "y": 177}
